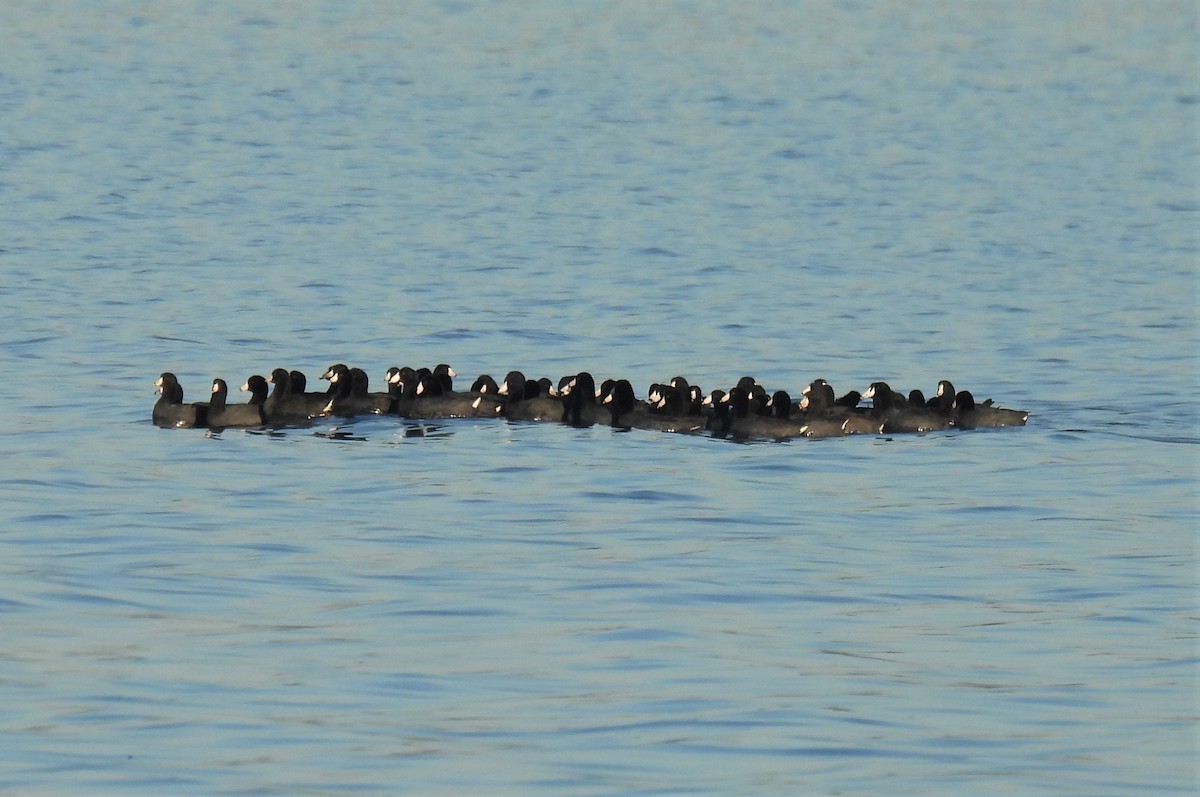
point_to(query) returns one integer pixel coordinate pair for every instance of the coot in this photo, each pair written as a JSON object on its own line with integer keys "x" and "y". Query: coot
{"x": 170, "y": 412}
{"x": 222, "y": 415}
{"x": 970, "y": 415}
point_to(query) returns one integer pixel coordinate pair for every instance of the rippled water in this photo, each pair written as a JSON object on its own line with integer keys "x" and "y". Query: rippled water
{"x": 1005, "y": 198}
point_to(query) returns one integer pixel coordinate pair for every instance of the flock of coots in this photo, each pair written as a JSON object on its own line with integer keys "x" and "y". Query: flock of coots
{"x": 746, "y": 410}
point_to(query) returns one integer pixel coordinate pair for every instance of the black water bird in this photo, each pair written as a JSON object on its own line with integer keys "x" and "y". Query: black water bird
{"x": 485, "y": 385}
{"x": 353, "y": 396}
{"x": 222, "y": 415}
{"x": 528, "y": 400}
{"x": 629, "y": 413}
{"x": 887, "y": 416}
{"x": 281, "y": 407}
{"x": 257, "y": 387}
{"x": 429, "y": 401}
{"x": 742, "y": 421}
{"x": 581, "y": 407}
{"x": 969, "y": 415}
{"x": 170, "y": 411}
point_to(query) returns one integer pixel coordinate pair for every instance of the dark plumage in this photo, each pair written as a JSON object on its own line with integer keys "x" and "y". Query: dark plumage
{"x": 823, "y": 415}
{"x": 171, "y": 412}
{"x": 718, "y": 419}
{"x": 258, "y": 388}
{"x": 298, "y": 385}
{"x": 693, "y": 396}
{"x": 623, "y": 407}
{"x": 850, "y": 400}
{"x": 445, "y": 375}
{"x": 582, "y": 408}
{"x": 780, "y": 405}
{"x": 402, "y": 387}
{"x": 429, "y": 401}
{"x": 894, "y": 419}
{"x": 526, "y": 400}
{"x": 824, "y": 427}
{"x": 943, "y": 400}
{"x": 281, "y": 407}
{"x": 485, "y": 403}
{"x": 746, "y": 411}
{"x": 871, "y": 421}
{"x": 352, "y": 396}
{"x": 485, "y": 385}
{"x": 627, "y": 412}
{"x": 222, "y": 415}
{"x": 969, "y": 415}
{"x": 742, "y": 421}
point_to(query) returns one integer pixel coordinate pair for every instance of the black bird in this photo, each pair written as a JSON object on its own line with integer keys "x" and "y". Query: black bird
{"x": 780, "y": 405}
{"x": 527, "y": 400}
{"x": 484, "y": 403}
{"x": 281, "y": 407}
{"x": 822, "y": 415}
{"x": 485, "y": 385}
{"x": 850, "y": 401}
{"x": 402, "y": 387}
{"x": 581, "y": 406}
{"x": 352, "y": 396}
{"x": 445, "y": 375}
{"x": 694, "y": 396}
{"x": 718, "y": 421}
{"x": 222, "y": 415}
{"x": 170, "y": 412}
{"x": 430, "y": 401}
{"x": 969, "y": 415}
{"x": 628, "y": 413}
{"x": 743, "y": 421}
{"x": 886, "y": 417}
{"x": 257, "y": 387}
{"x": 297, "y": 382}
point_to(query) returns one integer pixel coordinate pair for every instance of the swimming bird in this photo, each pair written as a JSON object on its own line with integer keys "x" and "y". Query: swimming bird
{"x": 429, "y": 401}
{"x": 895, "y": 419}
{"x": 257, "y": 387}
{"x": 445, "y": 375}
{"x": 850, "y": 401}
{"x": 871, "y": 421}
{"x": 485, "y": 384}
{"x": 629, "y": 413}
{"x": 969, "y": 415}
{"x": 352, "y": 396}
{"x": 297, "y": 382}
{"x": 693, "y": 396}
{"x": 742, "y": 421}
{"x": 527, "y": 400}
{"x": 819, "y": 402}
{"x": 943, "y": 400}
{"x": 222, "y": 415}
{"x": 581, "y": 406}
{"x": 484, "y": 403}
{"x": 717, "y": 408}
{"x": 298, "y": 385}
{"x": 281, "y": 407}
{"x": 170, "y": 411}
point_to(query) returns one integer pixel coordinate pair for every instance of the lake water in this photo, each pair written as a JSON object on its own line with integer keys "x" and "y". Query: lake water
{"x": 1004, "y": 196}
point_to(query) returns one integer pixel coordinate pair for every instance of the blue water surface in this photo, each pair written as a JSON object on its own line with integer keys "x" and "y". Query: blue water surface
{"x": 1003, "y": 196}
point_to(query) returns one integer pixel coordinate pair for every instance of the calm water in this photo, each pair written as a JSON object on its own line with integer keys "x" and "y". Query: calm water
{"x": 1006, "y": 197}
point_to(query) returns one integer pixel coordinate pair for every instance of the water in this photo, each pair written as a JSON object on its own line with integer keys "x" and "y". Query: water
{"x": 858, "y": 192}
